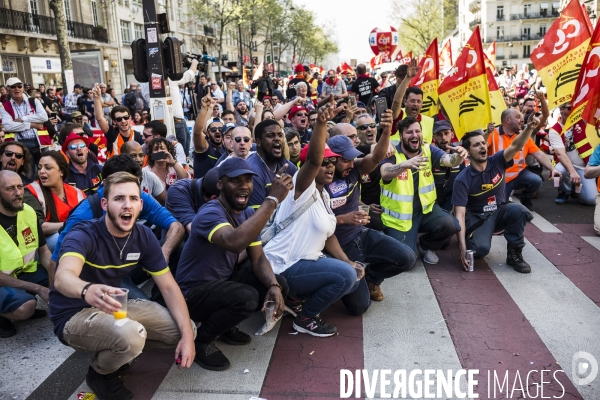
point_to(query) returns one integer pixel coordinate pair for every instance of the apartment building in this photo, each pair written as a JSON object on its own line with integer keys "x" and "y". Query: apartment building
{"x": 516, "y": 25}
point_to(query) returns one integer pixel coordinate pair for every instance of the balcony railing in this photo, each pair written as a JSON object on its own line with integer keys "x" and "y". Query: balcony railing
{"x": 40, "y": 24}
{"x": 514, "y": 17}
{"x": 522, "y": 38}
{"x": 500, "y": 57}
{"x": 208, "y": 31}
{"x": 474, "y": 23}
{"x": 474, "y": 5}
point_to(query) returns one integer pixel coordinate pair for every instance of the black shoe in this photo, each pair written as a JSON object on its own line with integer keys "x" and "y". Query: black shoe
{"x": 527, "y": 203}
{"x": 235, "y": 337}
{"x": 293, "y": 306}
{"x": 7, "y": 329}
{"x": 314, "y": 326}
{"x": 514, "y": 258}
{"x": 107, "y": 387}
{"x": 561, "y": 197}
{"x": 208, "y": 356}
{"x": 38, "y": 314}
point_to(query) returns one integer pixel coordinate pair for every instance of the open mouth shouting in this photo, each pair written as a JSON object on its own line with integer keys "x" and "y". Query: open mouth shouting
{"x": 242, "y": 198}
{"x": 11, "y": 165}
{"x": 126, "y": 218}
{"x": 303, "y": 122}
{"x": 277, "y": 150}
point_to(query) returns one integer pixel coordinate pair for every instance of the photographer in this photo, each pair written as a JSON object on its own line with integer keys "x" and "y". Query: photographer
{"x": 181, "y": 130}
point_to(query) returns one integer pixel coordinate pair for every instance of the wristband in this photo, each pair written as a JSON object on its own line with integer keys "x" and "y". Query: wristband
{"x": 85, "y": 289}
{"x": 275, "y": 200}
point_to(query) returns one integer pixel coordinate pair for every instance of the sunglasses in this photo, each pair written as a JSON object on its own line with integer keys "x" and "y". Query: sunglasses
{"x": 126, "y": 118}
{"x": 330, "y": 160}
{"x": 9, "y": 154}
{"x": 76, "y": 146}
{"x": 16, "y": 86}
{"x": 245, "y": 138}
{"x": 77, "y": 119}
{"x": 366, "y": 126}
{"x": 301, "y": 115}
{"x": 213, "y": 130}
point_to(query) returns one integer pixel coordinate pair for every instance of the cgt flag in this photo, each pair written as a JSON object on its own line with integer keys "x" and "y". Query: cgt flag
{"x": 428, "y": 79}
{"x": 491, "y": 55}
{"x": 496, "y": 100}
{"x": 586, "y": 100}
{"x": 559, "y": 55}
{"x": 446, "y": 58}
{"x": 406, "y": 59}
{"x": 464, "y": 94}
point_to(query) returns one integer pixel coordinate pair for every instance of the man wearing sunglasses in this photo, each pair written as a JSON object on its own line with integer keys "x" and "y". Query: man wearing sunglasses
{"x": 208, "y": 147}
{"x": 366, "y": 129}
{"x": 84, "y": 174}
{"x": 120, "y": 132}
{"x": 24, "y": 119}
{"x": 15, "y": 157}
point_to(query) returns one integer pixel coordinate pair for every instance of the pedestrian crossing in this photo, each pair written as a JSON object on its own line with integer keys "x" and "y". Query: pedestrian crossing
{"x": 433, "y": 317}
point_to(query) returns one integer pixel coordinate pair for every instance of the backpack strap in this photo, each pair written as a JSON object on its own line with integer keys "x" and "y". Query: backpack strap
{"x": 94, "y": 201}
{"x": 195, "y": 193}
{"x": 274, "y": 229}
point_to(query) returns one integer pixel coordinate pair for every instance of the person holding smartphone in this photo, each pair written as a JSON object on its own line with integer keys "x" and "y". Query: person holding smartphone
{"x": 161, "y": 161}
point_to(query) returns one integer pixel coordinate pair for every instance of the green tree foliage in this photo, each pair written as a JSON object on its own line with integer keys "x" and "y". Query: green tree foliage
{"x": 420, "y": 22}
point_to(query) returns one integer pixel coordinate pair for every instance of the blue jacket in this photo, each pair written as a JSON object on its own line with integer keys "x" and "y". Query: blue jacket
{"x": 152, "y": 212}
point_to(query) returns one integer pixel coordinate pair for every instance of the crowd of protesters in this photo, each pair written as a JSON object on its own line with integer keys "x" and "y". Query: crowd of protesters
{"x": 296, "y": 191}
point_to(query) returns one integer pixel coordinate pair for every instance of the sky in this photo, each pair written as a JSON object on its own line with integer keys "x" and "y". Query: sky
{"x": 352, "y": 20}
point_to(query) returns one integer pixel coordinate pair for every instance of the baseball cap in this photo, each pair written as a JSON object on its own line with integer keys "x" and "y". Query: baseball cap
{"x": 360, "y": 104}
{"x": 343, "y": 146}
{"x": 225, "y": 128}
{"x": 209, "y": 182}
{"x": 296, "y": 109}
{"x": 74, "y": 136}
{"x": 210, "y": 121}
{"x": 75, "y": 114}
{"x": 442, "y": 125}
{"x": 328, "y": 153}
{"x": 77, "y": 86}
{"x": 13, "y": 81}
{"x": 233, "y": 167}
{"x": 299, "y": 68}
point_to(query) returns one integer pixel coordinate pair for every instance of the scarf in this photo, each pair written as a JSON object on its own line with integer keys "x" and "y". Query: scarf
{"x": 331, "y": 82}
{"x": 363, "y": 76}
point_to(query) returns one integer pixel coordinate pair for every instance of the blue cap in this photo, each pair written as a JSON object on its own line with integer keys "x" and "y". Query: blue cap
{"x": 225, "y": 128}
{"x": 233, "y": 167}
{"x": 360, "y": 104}
{"x": 343, "y": 146}
{"x": 441, "y": 125}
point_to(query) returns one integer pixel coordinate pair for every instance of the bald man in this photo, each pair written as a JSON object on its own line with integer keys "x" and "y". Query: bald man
{"x": 150, "y": 182}
{"x": 21, "y": 278}
{"x": 242, "y": 142}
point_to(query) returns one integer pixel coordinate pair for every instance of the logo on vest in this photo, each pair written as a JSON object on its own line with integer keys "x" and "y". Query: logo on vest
{"x": 403, "y": 176}
{"x": 496, "y": 179}
{"x": 28, "y": 236}
{"x": 338, "y": 188}
{"x": 491, "y": 204}
{"x": 365, "y": 178}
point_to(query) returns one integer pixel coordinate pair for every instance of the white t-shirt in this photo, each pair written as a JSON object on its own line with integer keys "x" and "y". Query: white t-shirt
{"x": 572, "y": 153}
{"x": 151, "y": 184}
{"x": 305, "y": 238}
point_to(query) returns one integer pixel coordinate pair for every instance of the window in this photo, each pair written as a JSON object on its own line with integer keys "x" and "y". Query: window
{"x": 526, "y": 32}
{"x": 555, "y": 7}
{"x": 125, "y": 32}
{"x": 526, "y": 9}
{"x": 526, "y": 51}
{"x": 33, "y": 7}
{"x": 544, "y": 9}
{"x": 499, "y": 32}
{"x": 94, "y": 13}
{"x": 500, "y": 13}
{"x": 68, "y": 10}
{"x": 542, "y": 29}
{"x": 138, "y": 31}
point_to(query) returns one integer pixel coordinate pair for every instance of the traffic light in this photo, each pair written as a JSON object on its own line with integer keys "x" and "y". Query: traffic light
{"x": 140, "y": 62}
{"x": 173, "y": 59}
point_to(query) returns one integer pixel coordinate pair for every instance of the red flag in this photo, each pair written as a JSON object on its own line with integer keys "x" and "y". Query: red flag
{"x": 491, "y": 55}
{"x": 407, "y": 58}
{"x": 345, "y": 68}
{"x": 428, "y": 79}
{"x": 558, "y": 56}
{"x": 399, "y": 56}
{"x": 446, "y": 57}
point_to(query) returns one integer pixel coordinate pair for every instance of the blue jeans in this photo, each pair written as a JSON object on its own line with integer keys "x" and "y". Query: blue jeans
{"x": 13, "y": 298}
{"x": 588, "y": 186}
{"x": 526, "y": 180}
{"x": 326, "y": 280}
{"x": 438, "y": 227}
{"x": 183, "y": 136}
{"x": 51, "y": 241}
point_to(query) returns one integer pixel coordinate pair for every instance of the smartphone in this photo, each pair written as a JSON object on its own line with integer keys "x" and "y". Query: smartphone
{"x": 351, "y": 100}
{"x": 381, "y": 106}
{"x": 158, "y": 156}
{"x": 52, "y": 115}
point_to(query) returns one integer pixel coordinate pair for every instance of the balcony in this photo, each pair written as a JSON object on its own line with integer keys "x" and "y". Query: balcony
{"x": 474, "y": 23}
{"x": 522, "y": 38}
{"x": 40, "y": 24}
{"x": 208, "y": 31}
{"x": 500, "y": 17}
{"x": 500, "y": 57}
{"x": 516, "y": 17}
{"x": 475, "y": 5}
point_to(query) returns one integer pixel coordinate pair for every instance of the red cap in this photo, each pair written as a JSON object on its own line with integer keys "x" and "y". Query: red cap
{"x": 298, "y": 68}
{"x": 295, "y": 109}
{"x": 328, "y": 153}
{"x": 74, "y": 136}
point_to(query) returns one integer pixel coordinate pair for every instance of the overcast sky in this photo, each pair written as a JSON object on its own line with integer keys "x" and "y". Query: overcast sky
{"x": 353, "y": 21}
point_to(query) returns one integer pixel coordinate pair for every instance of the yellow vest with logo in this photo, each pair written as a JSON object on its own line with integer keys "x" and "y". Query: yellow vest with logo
{"x": 426, "y": 129}
{"x": 14, "y": 259}
{"x": 397, "y": 196}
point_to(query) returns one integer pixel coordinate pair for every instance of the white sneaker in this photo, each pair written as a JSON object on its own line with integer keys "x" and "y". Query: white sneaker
{"x": 427, "y": 256}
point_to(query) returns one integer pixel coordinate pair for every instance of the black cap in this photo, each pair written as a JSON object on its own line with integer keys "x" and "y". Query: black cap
{"x": 233, "y": 167}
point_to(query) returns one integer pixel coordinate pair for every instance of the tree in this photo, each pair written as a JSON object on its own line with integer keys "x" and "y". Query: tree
{"x": 60, "y": 21}
{"x": 450, "y": 16}
{"x": 420, "y": 22}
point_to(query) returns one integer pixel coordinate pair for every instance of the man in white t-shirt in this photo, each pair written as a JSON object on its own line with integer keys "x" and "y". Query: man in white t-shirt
{"x": 150, "y": 182}
{"x": 569, "y": 163}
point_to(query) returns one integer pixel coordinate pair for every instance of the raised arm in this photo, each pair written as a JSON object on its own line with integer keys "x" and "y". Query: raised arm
{"x": 228, "y": 100}
{"x": 413, "y": 68}
{"x": 522, "y": 138}
{"x": 282, "y": 111}
{"x": 458, "y": 156}
{"x": 308, "y": 172}
{"x": 200, "y": 142}
{"x": 371, "y": 161}
{"x": 98, "y": 114}
{"x": 545, "y": 109}
{"x": 258, "y": 110}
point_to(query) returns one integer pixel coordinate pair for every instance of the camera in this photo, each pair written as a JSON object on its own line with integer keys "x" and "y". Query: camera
{"x": 203, "y": 60}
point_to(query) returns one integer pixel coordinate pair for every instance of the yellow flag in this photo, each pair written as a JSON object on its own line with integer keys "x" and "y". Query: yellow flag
{"x": 464, "y": 94}
{"x": 428, "y": 79}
